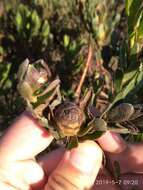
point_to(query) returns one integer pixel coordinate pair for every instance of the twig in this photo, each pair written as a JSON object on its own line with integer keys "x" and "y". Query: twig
{"x": 85, "y": 99}
{"x": 88, "y": 62}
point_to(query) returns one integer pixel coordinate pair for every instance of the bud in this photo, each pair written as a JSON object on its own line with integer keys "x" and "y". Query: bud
{"x": 31, "y": 78}
{"x": 69, "y": 118}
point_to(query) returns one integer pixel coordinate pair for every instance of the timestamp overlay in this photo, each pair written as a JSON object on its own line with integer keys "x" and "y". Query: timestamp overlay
{"x": 123, "y": 182}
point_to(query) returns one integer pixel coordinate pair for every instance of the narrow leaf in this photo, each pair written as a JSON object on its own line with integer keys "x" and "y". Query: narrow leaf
{"x": 73, "y": 143}
{"x": 118, "y": 80}
{"x": 45, "y": 29}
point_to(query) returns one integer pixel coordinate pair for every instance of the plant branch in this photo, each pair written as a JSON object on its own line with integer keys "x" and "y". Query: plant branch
{"x": 88, "y": 62}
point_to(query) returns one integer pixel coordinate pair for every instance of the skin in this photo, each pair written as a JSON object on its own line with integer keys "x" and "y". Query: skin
{"x": 61, "y": 169}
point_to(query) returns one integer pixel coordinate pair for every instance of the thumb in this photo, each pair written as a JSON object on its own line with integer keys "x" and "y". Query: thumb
{"x": 24, "y": 139}
{"x": 78, "y": 168}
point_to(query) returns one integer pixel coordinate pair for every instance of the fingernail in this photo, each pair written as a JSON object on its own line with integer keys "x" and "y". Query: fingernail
{"x": 85, "y": 158}
{"x": 112, "y": 142}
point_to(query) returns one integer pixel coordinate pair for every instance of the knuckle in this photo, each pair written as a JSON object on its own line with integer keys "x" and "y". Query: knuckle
{"x": 58, "y": 181}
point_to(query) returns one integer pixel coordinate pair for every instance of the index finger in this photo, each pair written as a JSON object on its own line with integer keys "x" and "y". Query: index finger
{"x": 129, "y": 156}
{"x": 24, "y": 139}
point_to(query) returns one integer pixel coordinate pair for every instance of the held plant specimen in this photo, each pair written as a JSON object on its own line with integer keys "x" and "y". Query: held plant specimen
{"x": 73, "y": 119}
{"x": 64, "y": 118}
{"x": 58, "y": 31}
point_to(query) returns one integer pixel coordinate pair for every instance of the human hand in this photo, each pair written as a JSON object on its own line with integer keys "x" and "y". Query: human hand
{"x": 59, "y": 170}
{"x": 25, "y": 139}
{"x": 130, "y": 159}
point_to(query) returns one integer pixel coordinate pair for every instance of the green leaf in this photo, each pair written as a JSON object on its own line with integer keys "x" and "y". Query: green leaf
{"x": 66, "y": 40}
{"x": 128, "y": 5}
{"x": 18, "y": 22}
{"x": 4, "y": 70}
{"x": 138, "y": 83}
{"x": 1, "y": 50}
{"x": 132, "y": 68}
{"x": 73, "y": 142}
{"x": 24, "y": 12}
{"x": 42, "y": 99}
{"x": 72, "y": 47}
{"x": 140, "y": 29}
{"x": 78, "y": 66}
{"x": 45, "y": 29}
{"x": 123, "y": 55}
{"x": 118, "y": 80}
{"x": 140, "y": 74}
{"x": 92, "y": 136}
{"x": 35, "y": 23}
{"x": 86, "y": 129}
{"x": 123, "y": 93}
{"x": 130, "y": 85}
{"x": 127, "y": 88}
{"x": 138, "y": 138}
{"x": 134, "y": 15}
{"x": 129, "y": 74}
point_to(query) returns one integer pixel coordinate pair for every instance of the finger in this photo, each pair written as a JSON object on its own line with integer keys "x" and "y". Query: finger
{"x": 5, "y": 186}
{"x": 112, "y": 143}
{"x": 51, "y": 160}
{"x": 105, "y": 181}
{"x": 22, "y": 174}
{"x": 115, "y": 148}
{"x": 78, "y": 168}
{"x": 133, "y": 159}
{"x": 24, "y": 139}
{"x": 129, "y": 156}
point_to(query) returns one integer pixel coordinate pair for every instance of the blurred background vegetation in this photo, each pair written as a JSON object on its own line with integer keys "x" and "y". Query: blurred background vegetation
{"x": 59, "y": 32}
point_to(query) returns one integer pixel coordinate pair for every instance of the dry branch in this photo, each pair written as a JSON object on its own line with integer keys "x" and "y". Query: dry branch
{"x": 88, "y": 62}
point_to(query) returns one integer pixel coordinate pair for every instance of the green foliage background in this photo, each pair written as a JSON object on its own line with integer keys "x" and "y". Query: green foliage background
{"x": 59, "y": 32}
